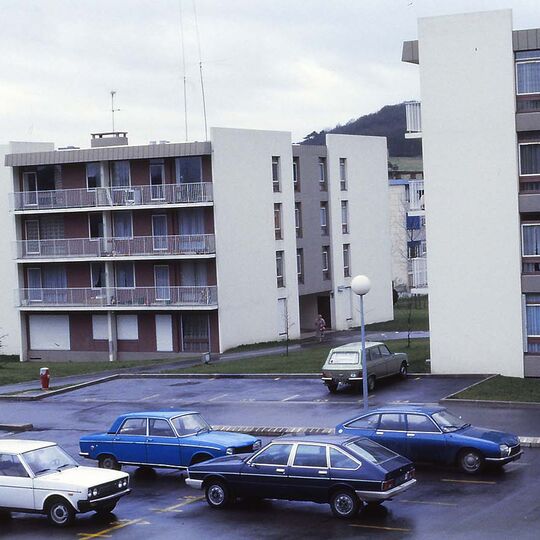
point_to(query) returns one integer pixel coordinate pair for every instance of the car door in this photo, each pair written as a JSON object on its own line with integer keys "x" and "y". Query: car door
{"x": 389, "y": 361}
{"x": 129, "y": 442}
{"x": 392, "y": 432}
{"x": 425, "y": 441}
{"x": 16, "y": 485}
{"x": 308, "y": 476}
{"x": 265, "y": 474}
{"x": 162, "y": 444}
{"x": 375, "y": 363}
{"x": 343, "y": 468}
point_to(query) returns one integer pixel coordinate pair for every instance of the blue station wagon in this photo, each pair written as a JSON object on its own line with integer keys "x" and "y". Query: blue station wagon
{"x": 433, "y": 434}
{"x": 174, "y": 439}
{"x": 345, "y": 472}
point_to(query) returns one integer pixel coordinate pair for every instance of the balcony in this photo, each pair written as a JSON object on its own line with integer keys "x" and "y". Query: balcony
{"x": 416, "y": 197}
{"x": 164, "y": 297}
{"x": 109, "y": 197}
{"x": 414, "y": 120}
{"x": 95, "y": 248}
{"x": 418, "y": 274}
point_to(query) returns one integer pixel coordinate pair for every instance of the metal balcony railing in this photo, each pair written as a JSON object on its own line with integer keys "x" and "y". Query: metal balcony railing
{"x": 418, "y": 273}
{"x": 413, "y": 116}
{"x": 416, "y": 195}
{"x": 63, "y": 248}
{"x": 114, "y": 296}
{"x": 112, "y": 196}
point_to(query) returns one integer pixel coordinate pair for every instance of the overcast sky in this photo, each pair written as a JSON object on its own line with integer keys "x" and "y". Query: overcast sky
{"x": 294, "y": 65}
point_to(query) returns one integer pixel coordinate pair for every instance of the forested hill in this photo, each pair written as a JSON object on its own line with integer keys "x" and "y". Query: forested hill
{"x": 389, "y": 122}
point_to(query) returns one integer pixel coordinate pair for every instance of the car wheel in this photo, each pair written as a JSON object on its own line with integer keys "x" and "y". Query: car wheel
{"x": 471, "y": 461}
{"x": 332, "y": 387}
{"x": 5, "y": 515}
{"x": 60, "y": 513}
{"x": 217, "y": 494}
{"x": 403, "y": 370}
{"x": 105, "y": 509}
{"x": 109, "y": 462}
{"x": 371, "y": 383}
{"x": 344, "y": 504}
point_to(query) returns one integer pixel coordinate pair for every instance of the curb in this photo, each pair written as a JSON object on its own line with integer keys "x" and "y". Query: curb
{"x": 488, "y": 403}
{"x": 17, "y": 428}
{"x": 220, "y": 376}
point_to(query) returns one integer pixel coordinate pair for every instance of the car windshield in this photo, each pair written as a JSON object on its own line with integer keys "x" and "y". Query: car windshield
{"x": 448, "y": 421}
{"x": 370, "y": 451}
{"x": 48, "y": 460}
{"x": 343, "y": 358}
{"x": 190, "y": 424}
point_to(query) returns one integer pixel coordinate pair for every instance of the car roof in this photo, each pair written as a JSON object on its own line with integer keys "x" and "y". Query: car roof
{"x": 356, "y": 346}
{"x": 410, "y": 407}
{"x": 157, "y": 414}
{"x": 19, "y": 446}
{"x": 322, "y": 439}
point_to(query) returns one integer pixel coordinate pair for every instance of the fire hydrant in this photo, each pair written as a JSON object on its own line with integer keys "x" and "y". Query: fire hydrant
{"x": 44, "y": 377}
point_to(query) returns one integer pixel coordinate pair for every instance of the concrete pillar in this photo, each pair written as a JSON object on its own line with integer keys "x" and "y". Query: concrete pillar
{"x": 23, "y": 321}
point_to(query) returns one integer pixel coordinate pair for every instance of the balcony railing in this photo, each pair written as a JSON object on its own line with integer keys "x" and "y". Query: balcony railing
{"x": 112, "y": 196}
{"x": 112, "y": 297}
{"x": 414, "y": 118}
{"x": 416, "y": 195}
{"x": 418, "y": 273}
{"x": 64, "y": 248}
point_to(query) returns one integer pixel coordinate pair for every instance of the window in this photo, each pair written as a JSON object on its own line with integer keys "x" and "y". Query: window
{"x": 120, "y": 174}
{"x": 159, "y": 428}
{"x": 343, "y": 174}
{"x": 95, "y": 225}
{"x": 338, "y": 460}
{"x": 188, "y": 170}
{"x": 343, "y": 358}
{"x": 188, "y": 424}
{"x": 295, "y": 173}
{"x": 383, "y": 350}
{"x": 310, "y": 455}
{"x": 157, "y": 179}
{"x": 125, "y": 275}
{"x": 530, "y": 240}
{"x": 322, "y": 174}
{"x": 529, "y": 159}
{"x": 93, "y": 175}
{"x": 392, "y": 422}
{"x": 298, "y": 219}
{"x": 326, "y": 262}
{"x": 159, "y": 233}
{"x": 346, "y": 260}
{"x": 413, "y": 223}
{"x": 276, "y": 454}
{"x": 279, "y": 269}
{"x": 324, "y": 218}
{"x": 420, "y": 424}
{"x": 161, "y": 282}
{"x": 300, "y": 265}
{"x": 11, "y": 466}
{"x": 528, "y": 75}
{"x": 344, "y": 217}
{"x": 366, "y": 422}
{"x": 133, "y": 426}
{"x": 99, "y": 327}
{"x": 277, "y": 221}
{"x": 127, "y": 327}
{"x": 275, "y": 174}
{"x": 123, "y": 224}
{"x": 533, "y": 322}
{"x": 97, "y": 275}
{"x": 371, "y": 451}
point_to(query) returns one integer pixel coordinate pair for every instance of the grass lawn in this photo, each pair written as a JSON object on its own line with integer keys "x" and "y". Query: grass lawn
{"x": 415, "y": 307}
{"x": 504, "y": 389}
{"x": 308, "y": 360}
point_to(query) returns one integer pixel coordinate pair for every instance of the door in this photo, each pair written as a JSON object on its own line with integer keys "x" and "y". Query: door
{"x": 195, "y": 333}
{"x": 309, "y": 476}
{"x": 35, "y": 291}
{"x": 16, "y": 486}
{"x": 30, "y": 189}
{"x": 375, "y": 362}
{"x": 162, "y": 445}
{"x": 161, "y": 282}
{"x": 323, "y": 307}
{"x": 164, "y": 338}
{"x": 391, "y": 432}
{"x": 159, "y": 233}
{"x": 129, "y": 443}
{"x": 391, "y": 361}
{"x": 32, "y": 237}
{"x": 425, "y": 442}
{"x": 157, "y": 179}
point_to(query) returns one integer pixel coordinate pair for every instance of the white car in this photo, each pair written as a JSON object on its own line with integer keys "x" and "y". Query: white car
{"x": 39, "y": 477}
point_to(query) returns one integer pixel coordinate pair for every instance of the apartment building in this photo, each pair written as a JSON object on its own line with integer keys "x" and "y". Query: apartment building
{"x": 152, "y": 251}
{"x": 480, "y": 127}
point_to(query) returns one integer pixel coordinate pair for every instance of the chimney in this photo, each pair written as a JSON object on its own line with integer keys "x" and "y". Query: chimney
{"x": 110, "y": 138}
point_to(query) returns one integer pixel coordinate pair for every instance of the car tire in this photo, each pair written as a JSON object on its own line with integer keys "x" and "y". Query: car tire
{"x": 371, "y": 383}
{"x": 403, "y": 370}
{"x": 60, "y": 513}
{"x": 470, "y": 461}
{"x": 106, "y": 509}
{"x": 5, "y": 515}
{"x": 332, "y": 387}
{"x": 109, "y": 462}
{"x": 344, "y": 504}
{"x": 217, "y": 494}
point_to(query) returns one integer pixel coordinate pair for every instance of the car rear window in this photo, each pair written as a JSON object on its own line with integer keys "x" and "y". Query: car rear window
{"x": 343, "y": 358}
{"x": 370, "y": 451}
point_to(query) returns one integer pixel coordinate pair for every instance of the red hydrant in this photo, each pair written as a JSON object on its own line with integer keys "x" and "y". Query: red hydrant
{"x": 44, "y": 377}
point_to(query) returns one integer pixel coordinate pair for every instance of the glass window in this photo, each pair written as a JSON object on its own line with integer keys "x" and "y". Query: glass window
{"x": 188, "y": 170}
{"x": 300, "y": 265}
{"x": 344, "y": 358}
{"x": 344, "y": 217}
{"x": 346, "y": 260}
{"x": 277, "y": 221}
{"x": 12, "y": 466}
{"x": 531, "y": 239}
{"x": 122, "y": 225}
{"x": 95, "y": 225}
{"x": 276, "y": 174}
{"x": 533, "y": 320}
{"x": 120, "y": 174}
{"x": 529, "y": 158}
{"x": 366, "y": 422}
{"x": 93, "y": 175}
{"x": 310, "y": 455}
{"x": 338, "y": 460}
{"x": 298, "y": 219}
{"x": 97, "y": 275}
{"x": 159, "y": 428}
{"x": 125, "y": 275}
{"x": 523, "y": 55}
{"x": 322, "y": 174}
{"x": 343, "y": 173}
{"x": 50, "y": 459}
{"x": 528, "y": 77}
{"x": 276, "y": 454}
{"x": 420, "y": 423}
{"x": 448, "y": 421}
{"x": 324, "y": 218}
{"x": 157, "y": 179}
{"x": 383, "y": 350}
{"x": 133, "y": 426}
{"x": 190, "y": 424}
{"x": 392, "y": 422}
{"x": 370, "y": 451}
{"x": 279, "y": 269}
{"x": 295, "y": 174}
{"x": 375, "y": 353}
{"x": 326, "y": 262}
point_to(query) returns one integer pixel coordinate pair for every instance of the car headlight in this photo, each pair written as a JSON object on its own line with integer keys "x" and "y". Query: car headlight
{"x": 353, "y": 374}
{"x": 93, "y": 492}
{"x": 229, "y": 451}
{"x": 257, "y": 444}
{"x": 505, "y": 450}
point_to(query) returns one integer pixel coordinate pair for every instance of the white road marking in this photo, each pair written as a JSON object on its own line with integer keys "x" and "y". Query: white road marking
{"x": 291, "y": 397}
{"x": 218, "y": 397}
{"x": 147, "y": 398}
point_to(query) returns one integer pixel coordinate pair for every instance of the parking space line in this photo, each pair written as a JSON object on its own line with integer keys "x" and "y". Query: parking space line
{"x": 459, "y": 481}
{"x": 380, "y": 527}
{"x": 408, "y": 501}
{"x": 277, "y": 378}
{"x": 120, "y": 524}
{"x": 175, "y": 507}
{"x": 291, "y": 397}
{"x": 149, "y": 397}
{"x": 218, "y": 397}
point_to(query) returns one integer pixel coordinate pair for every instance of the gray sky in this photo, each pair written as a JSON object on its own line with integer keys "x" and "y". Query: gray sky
{"x": 294, "y": 65}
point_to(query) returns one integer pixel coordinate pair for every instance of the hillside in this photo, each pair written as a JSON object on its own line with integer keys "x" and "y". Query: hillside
{"x": 389, "y": 122}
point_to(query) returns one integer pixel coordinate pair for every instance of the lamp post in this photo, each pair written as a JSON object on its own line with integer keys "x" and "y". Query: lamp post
{"x": 361, "y": 285}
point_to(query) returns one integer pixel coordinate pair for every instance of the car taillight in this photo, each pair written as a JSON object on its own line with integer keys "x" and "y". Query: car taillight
{"x": 388, "y": 484}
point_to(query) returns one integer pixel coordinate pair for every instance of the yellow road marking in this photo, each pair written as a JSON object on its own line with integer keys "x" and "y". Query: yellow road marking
{"x": 398, "y": 529}
{"x": 425, "y": 502}
{"x": 175, "y": 507}
{"x": 115, "y": 526}
{"x": 468, "y": 481}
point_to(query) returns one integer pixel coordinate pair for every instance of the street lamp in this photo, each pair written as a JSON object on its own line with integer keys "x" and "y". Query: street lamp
{"x": 361, "y": 286}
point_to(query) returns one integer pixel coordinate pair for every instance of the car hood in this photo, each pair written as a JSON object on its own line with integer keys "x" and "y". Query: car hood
{"x": 77, "y": 478}
{"x": 498, "y": 437}
{"x": 226, "y": 462}
{"x": 225, "y": 439}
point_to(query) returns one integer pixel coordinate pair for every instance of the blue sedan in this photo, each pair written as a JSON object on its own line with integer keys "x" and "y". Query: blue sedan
{"x": 433, "y": 434}
{"x": 345, "y": 472}
{"x": 173, "y": 439}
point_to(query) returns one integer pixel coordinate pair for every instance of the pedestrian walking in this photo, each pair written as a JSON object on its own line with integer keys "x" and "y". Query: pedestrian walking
{"x": 320, "y": 327}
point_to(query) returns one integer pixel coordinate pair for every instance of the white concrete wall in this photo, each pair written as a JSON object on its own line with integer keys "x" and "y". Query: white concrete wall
{"x": 245, "y": 243}
{"x": 9, "y": 316}
{"x": 398, "y": 235}
{"x": 369, "y": 225}
{"x": 469, "y": 139}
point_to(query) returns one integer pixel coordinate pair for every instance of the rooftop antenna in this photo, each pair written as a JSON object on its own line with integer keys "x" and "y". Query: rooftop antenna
{"x": 183, "y": 67}
{"x": 113, "y": 110}
{"x": 201, "y": 70}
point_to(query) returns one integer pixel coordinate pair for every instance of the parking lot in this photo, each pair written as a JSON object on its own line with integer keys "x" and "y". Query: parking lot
{"x": 443, "y": 504}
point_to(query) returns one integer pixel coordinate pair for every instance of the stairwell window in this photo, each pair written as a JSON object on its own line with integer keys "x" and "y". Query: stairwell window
{"x": 295, "y": 173}
{"x": 324, "y": 218}
{"x": 277, "y": 221}
{"x": 346, "y": 260}
{"x": 300, "y": 265}
{"x": 279, "y": 269}
{"x": 298, "y": 219}
{"x": 343, "y": 174}
{"x": 323, "y": 185}
{"x": 326, "y": 262}
{"x": 344, "y": 217}
{"x": 276, "y": 180}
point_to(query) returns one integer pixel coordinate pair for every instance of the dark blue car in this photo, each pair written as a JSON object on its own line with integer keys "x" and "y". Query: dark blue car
{"x": 174, "y": 439}
{"x": 345, "y": 472}
{"x": 433, "y": 434}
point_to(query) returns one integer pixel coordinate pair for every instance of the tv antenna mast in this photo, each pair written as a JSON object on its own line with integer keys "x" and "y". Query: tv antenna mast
{"x": 182, "y": 46}
{"x": 113, "y": 110}
{"x": 200, "y": 70}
